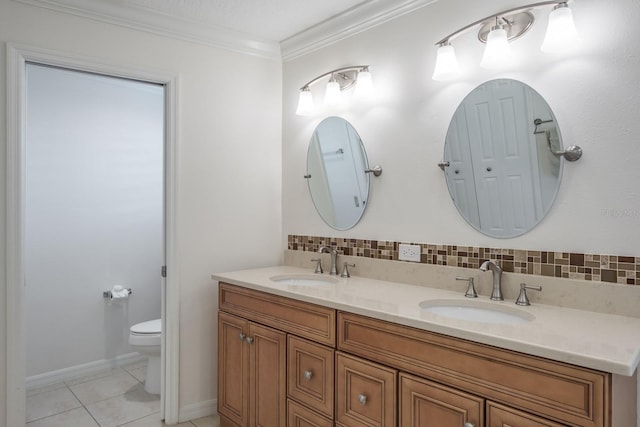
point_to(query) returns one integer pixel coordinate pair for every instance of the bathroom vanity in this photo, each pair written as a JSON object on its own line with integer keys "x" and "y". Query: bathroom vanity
{"x": 296, "y": 349}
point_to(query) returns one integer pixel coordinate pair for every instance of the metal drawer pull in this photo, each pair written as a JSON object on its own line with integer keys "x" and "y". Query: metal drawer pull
{"x": 308, "y": 374}
{"x": 469, "y": 425}
{"x": 362, "y": 399}
{"x": 249, "y": 340}
{"x": 242, "y": 336}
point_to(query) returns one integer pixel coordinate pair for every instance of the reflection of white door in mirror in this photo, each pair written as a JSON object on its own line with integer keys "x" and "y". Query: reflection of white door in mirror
{"x": 321, "y": 189}
{"x": 502, "y": 177}
{"x": 336, "y": 164}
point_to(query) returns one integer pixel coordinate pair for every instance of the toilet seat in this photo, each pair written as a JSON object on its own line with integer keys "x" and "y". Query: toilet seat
{"x": 149, "y": 327}
{"x": 146, "y": 333}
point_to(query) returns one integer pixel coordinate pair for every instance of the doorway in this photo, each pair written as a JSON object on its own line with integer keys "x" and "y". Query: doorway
{"x": 93, "y": 222}
{"x": 22, "y": 62}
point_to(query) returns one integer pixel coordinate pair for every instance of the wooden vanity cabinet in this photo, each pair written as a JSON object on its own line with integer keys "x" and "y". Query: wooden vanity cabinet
{"x": 284, "y": 362}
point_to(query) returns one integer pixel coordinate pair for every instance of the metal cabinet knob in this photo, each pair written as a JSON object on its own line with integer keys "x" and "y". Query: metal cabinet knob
{"x": 241, "y": 336}
{"x": 362, "y": 399}
{"x": 249, "y": 340}
{"x": 308, "y": 374}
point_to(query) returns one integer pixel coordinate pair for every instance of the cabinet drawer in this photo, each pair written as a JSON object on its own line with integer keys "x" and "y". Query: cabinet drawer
{"x": 565, "y": 393}
{"x": 503, "y": 416}
{"x": 303, "y": 319}
{"x": 427, "y": 404}
{"x": 366, "y": 393}
{"x": 299, "y": 416}
{"x": 311, "y": 374}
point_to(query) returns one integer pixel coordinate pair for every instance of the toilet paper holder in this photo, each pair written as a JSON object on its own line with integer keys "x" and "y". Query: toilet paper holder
{"x": 108, "y": 294}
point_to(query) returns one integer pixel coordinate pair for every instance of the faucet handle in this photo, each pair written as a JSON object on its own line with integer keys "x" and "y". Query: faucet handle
{"x": 318, "y": 262}
{"x": 522, "y": 297}
{"x": 345, "y": 269}
{"x": 471, "y": 289}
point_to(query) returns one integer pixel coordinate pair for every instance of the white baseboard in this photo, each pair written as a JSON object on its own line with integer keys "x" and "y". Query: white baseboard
{"x": 197, "y": 410}
{"x": 80, "y": 371}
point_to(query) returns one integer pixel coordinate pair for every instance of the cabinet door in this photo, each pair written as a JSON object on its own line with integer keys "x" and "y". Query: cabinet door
{"x": 504, "y": 416}
{"x": 427, "y": 404}
{"x": 366, "y": 393}
{"x": 267, "y": 377}
{"x": 233, "y": 369}
{"x": 311, "y": 374}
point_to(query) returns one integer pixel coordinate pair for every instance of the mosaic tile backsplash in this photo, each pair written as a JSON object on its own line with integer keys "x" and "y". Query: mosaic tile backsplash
{"x": 595, "y": 267}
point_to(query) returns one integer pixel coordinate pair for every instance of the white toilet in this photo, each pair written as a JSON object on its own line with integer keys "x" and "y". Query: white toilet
{"x": 145, "y": 338}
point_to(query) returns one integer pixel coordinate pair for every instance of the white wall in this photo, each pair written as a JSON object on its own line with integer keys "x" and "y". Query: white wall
{"x": 94, "y": 214}
{"x": 229, "y": 163}
{"x": 593, "y": 91}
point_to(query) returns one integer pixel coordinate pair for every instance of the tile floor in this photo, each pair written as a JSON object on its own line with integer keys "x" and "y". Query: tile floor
{"x": 112, "y": 399}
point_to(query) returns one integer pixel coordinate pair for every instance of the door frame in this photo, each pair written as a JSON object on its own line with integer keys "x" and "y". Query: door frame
{"x": 17, "y": 57}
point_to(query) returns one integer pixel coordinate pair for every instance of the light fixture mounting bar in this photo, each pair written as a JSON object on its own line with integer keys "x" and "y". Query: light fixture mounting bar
{"x": 515, "y": 24}
{"x": 491, "y": 18}
{"x": 346, "y": 76}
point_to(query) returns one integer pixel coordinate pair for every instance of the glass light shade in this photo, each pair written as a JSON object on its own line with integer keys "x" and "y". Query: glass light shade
{"x": 364, "y": 84}
{"x": 497, "y": 53}
{"x": 446, "y": 64}
{"x": 561, "y": 31}
{"x": 332, "y": 96}
{"x": 305, "y": 103}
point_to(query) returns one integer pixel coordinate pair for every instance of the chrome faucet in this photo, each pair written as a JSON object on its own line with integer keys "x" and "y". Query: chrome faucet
{"x": 334, "y": 258}
{"x": 496, "y": 293}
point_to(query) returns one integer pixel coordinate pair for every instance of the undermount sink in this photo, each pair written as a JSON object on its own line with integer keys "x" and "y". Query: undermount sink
{"x": 476, "y": 311}
{"x": 303, "y": 279}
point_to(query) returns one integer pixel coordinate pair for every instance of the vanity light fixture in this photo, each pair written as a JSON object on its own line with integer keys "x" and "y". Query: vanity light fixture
{"x": 497, "y": 53}
{"x": 446, "y": 63}
{"x": 333, "y": 95}
{"x": 339, "y": 80}
{"x": 364, "y": 84}
{"x": 499, "y": 29}
{"x": 305, "y": 103}
{"x": 561, "y": 31}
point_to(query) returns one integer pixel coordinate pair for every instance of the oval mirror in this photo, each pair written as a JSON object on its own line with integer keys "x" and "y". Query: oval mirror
{"x": 502, "y": 173}
{"x": 336, "y": 164}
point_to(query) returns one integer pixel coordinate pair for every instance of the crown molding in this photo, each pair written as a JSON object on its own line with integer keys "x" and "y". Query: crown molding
{"x": 355, "y": 20}
{"x": 163, "y": 25}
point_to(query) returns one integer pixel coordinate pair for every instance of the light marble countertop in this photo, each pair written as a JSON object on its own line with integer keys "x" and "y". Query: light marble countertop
{"x": 605, "y": 342}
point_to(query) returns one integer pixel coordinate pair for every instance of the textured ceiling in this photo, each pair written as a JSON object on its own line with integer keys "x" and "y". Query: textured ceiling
{"x": 274, "y": 20}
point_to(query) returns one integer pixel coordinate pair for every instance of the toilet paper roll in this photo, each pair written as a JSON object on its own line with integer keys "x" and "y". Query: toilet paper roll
{"x": 118, "y": 292}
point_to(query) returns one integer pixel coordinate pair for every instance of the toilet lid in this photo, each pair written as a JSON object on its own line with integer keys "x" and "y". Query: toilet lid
{"x": 150, "y": 327}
